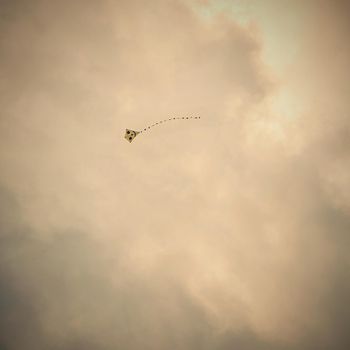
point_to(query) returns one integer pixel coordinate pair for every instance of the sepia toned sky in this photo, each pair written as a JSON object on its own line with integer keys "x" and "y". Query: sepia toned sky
{"x": 228, "y": 232}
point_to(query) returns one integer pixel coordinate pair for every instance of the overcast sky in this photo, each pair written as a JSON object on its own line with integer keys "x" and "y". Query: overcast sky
{"x": 228, "y": 232}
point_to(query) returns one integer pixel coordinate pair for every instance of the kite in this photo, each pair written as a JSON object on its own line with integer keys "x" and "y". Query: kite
{"x": 131, "y": 134}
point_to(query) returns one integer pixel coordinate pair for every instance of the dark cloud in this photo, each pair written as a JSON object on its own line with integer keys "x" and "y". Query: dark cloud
{"x": 58, "y": 294}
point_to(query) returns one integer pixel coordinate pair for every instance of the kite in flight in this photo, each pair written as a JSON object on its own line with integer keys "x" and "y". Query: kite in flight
{"x": 131, "y": 134}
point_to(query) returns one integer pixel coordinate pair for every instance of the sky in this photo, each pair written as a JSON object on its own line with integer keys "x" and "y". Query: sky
{"x": 228, "y": 232}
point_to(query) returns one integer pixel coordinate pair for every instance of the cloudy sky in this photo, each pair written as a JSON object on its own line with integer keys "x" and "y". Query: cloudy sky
{"x": 228, "y": 232}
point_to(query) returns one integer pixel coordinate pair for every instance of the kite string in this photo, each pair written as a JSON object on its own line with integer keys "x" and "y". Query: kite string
{"x": 166, "y": 120}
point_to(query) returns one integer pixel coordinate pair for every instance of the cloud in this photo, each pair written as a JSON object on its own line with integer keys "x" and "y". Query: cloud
{"x": 229, "y": 232}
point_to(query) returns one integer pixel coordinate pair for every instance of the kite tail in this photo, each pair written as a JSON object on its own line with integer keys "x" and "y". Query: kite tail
{"x": 164, "y": 121}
